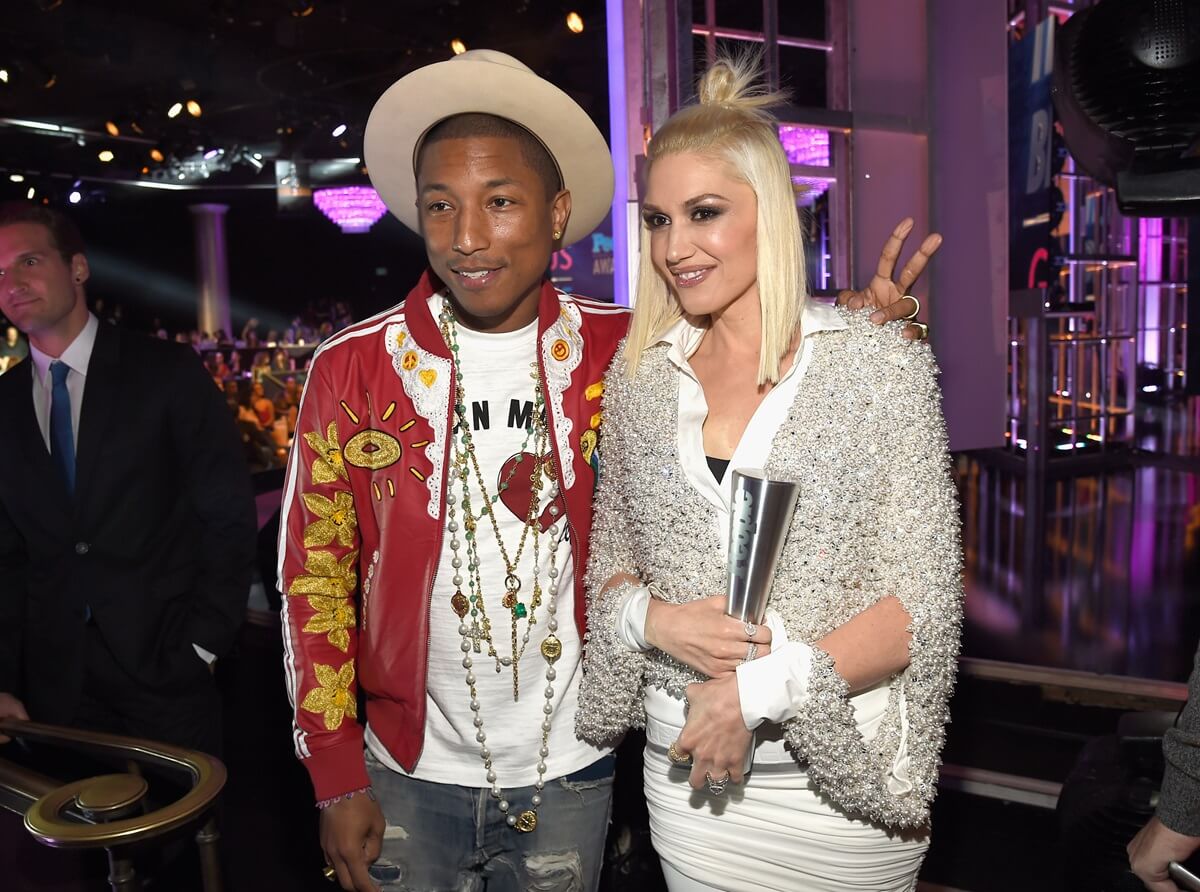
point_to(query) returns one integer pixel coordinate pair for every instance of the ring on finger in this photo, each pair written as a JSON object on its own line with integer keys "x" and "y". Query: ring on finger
{"x": 717, "y": 786}
{"x": 916, "y": 308}
{"x": 751, "y": 630}
{"x": 751, "y": 652}
{"x": 679, "y": 758}
{"x": 922, "y": 330}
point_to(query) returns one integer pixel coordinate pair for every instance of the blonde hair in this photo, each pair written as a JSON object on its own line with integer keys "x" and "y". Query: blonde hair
{"x": 730, "y": 122}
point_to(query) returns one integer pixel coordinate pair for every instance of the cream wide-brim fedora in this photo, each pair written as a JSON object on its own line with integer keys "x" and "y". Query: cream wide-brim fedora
{"x": 493, "y": 83}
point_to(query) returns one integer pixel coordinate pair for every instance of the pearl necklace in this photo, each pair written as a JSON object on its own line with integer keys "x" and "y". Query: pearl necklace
{"x": 551, "y": 647}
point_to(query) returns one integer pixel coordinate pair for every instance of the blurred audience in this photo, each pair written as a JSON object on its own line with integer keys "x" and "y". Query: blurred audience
{"x": 13, "y": 349}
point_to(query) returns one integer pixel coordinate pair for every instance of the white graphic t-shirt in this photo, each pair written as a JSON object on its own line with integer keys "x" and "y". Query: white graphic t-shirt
{"x": 499, "y": 394}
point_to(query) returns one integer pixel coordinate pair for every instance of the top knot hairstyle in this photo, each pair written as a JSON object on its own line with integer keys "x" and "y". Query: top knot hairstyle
{"x": 731, "y": 122}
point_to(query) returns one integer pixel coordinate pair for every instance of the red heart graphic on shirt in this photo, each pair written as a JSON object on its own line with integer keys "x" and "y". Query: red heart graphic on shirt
{"x": 519, "y": 495}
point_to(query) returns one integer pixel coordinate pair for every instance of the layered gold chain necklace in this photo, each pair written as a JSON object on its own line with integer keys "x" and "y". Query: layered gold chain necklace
{"x": 478, "y": 628}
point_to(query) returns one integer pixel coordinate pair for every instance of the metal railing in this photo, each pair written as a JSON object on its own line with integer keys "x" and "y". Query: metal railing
{"x": 110, "y": 811}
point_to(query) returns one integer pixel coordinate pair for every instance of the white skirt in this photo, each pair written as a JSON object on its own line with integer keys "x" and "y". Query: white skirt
{"x": 773, "y": 833}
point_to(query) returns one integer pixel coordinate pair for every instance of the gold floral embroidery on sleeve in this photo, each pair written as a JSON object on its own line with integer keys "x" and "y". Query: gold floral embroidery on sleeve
{"x": 337, "y": 519}
{"x": 325, "y": 575}
{"x": 329, "y": 583}
{"x": 334, "y": 616}
{"x": 328, "y": 465}
{"x": 332, "y": 697}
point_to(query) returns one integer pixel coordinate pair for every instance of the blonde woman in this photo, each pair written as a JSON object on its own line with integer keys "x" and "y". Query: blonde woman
{"x": 728, "y": 364}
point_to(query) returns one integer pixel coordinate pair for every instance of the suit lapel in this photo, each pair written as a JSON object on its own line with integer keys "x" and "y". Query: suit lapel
{"x": 96, "y": 417}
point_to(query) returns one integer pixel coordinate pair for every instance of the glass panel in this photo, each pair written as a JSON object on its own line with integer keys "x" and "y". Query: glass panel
{"x": 803, "y": 74}
{"x": 744, "y": 14}
{"x": 801, "y": 18}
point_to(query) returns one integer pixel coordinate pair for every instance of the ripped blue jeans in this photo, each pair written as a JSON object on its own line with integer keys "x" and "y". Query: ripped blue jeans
{"x": 446, "y": 838}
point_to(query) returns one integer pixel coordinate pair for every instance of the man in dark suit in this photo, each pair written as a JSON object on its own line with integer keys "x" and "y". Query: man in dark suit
{"x": 127, "y": 524}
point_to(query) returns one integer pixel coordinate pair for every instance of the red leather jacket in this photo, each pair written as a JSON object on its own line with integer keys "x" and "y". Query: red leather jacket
{"x": 364, "y": 514}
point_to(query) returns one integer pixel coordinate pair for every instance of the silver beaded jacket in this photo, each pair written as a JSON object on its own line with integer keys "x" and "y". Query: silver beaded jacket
{"x": 877, "y": 516}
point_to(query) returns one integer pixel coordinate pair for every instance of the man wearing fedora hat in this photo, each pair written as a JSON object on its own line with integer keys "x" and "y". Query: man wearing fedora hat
{"x": 437, "y": 506}
{"x": 444, "y": 475}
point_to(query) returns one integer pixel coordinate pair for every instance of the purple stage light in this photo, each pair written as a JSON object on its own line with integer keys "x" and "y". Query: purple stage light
{"x": 805, "y": 145}
{"x": 813, "y": 188}
{"x": 352, "y": 208}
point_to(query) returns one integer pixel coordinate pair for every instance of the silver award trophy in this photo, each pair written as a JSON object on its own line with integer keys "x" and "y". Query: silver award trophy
{"x": 759, "y": 520}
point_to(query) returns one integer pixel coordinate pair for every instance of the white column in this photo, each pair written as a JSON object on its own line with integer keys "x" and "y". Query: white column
{"x": 212, "y": 271}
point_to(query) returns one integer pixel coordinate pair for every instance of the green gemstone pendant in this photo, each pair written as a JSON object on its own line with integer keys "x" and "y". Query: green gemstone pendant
{"x": 519, "y": 610}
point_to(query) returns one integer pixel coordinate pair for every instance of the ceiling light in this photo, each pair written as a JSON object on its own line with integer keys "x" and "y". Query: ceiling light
{"x": 51, "y": 80}
{"x": 112, "y": 128}
{"x": 75, "y": 197}
{"x": 575, "y": 23}
{"x": 211, "y": 154}
{"x": 193, "y": 108}
{"x": 4, "y": 75}
{"x": 302, "y": 9}
{"x": 156, "y": 155}
{"x": 174, "y": 110}
{"x": 16, "y": 177}
{"x": 32, "y": 192}
{"x": 339, "y": 130}
{"x": 106, "y": 156}
{"x": 355, "y": 209}
{"x": 458, "y": 46}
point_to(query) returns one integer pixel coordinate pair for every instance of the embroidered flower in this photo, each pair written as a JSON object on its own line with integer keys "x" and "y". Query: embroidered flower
{"x": 328, "y": 465}
{"x": 332, "y": 615}
{"x": 337, "y": 519}
{"x": 332, "y": 697}
{"x": 327, "y": 576}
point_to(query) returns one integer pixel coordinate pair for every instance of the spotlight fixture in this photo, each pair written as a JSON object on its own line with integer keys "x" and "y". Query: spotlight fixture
{"x": 193, "y": 108}
{"x": 32, "y": 192}
{"x": 75, "y": 197}
{"x": 112, "y": 128}
{"x": 458, "y": 46}
{"x": 575, "y": 23}
{"x": 106, "y": 155}
{"x": 339, "y": 130}
{"x": 157, "y": 155}
{"x": 16, "y": 178}
{"x": 51, "y": 80}
{"x": 174, "y": 110}
{"x": 302, "y": 9}
{"x": 5, "y": 75}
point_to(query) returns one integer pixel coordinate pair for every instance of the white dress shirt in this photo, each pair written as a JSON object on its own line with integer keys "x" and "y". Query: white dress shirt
{"x": 773, "y": 687}
{"x": 77, "y": 357}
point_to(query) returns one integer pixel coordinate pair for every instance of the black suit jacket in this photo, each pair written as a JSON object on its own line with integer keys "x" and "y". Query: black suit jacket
{"x": 157, "y": 541}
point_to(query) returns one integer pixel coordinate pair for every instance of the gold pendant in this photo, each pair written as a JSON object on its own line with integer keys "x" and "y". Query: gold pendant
{"x": 526, "y": 821}
{"x": 459, "y": 604}
{"x": 551, "y": 649}
{"x": 510, "y": 600}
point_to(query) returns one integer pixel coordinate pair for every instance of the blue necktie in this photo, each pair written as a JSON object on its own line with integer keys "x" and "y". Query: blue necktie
{"x": 62, "y": 437}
